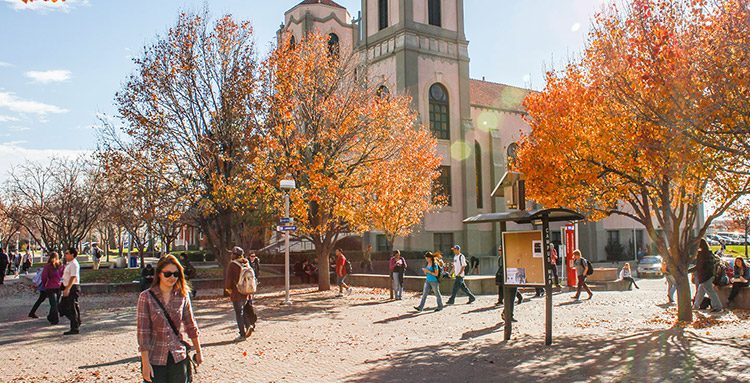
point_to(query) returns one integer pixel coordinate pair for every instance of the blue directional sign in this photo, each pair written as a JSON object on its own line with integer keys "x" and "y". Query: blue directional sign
{"x": 287, "y": 228}
{"x": 286, "y": 220}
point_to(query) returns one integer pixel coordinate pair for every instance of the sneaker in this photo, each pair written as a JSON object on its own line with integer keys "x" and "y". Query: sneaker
{"x": 498, "y": 303}
{"x": 438, "y": 309}
{"x": 717, "y": 310}
{"x": 240, "y": 338}
{"x": 349, "y": 291}
{"x": 418, "y": 309}
{"x": 249, "y": 331}
{"x": 450, "y": 302}
{"x": 32, "y": 315}
{"x": 71, "y": 332}
{"x": 471, "y": 300}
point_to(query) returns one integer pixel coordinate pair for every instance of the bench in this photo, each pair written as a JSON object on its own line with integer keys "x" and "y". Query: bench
{"x": 742, "y": 300}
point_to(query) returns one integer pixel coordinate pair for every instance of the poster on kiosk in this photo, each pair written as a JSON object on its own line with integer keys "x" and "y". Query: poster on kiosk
{"x": 523, "y": 259}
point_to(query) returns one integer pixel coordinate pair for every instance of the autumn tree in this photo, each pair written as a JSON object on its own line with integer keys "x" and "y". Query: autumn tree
{"x": 611, "y": 134}
{"x": 329, "y": 128}
{"x": 9, "y": 222}
{"x": 193, "y": 97}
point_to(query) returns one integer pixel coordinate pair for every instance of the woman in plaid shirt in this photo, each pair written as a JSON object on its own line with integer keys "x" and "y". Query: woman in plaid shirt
{"x": 163, "y": 353}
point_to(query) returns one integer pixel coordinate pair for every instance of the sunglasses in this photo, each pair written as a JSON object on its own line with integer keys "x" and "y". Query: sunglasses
{"x": 170, "y": 274}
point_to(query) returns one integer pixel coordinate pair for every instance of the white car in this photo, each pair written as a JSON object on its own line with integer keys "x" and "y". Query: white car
{"x": 650, "y": 265}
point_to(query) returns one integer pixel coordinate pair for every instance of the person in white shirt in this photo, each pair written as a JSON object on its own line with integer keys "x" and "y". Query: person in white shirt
{"x": 626, "y": 275}
{"x": 459, "y": 269}
{"x": 71, "y": 291}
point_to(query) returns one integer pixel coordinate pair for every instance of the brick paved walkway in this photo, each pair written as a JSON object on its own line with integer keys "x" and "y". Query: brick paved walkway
{"x": 616, "y": 337}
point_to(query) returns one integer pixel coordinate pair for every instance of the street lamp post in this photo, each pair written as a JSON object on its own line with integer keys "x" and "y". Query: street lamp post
{"x": 286, "y": 184}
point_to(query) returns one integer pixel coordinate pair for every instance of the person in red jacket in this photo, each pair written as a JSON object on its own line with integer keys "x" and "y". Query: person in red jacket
{"x": 342, "y": 273}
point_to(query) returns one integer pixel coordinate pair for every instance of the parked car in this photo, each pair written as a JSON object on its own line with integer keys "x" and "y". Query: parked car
{"x": 650, "y": 265}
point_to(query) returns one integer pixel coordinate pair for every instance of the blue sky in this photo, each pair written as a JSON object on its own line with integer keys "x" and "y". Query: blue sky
{"x": 61, "y": 64}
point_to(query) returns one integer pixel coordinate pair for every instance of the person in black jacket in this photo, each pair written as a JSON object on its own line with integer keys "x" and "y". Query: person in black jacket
{"x": 4, "y": 261}
{"x": 255, "y": 264}
{"x": 704, "y": 278}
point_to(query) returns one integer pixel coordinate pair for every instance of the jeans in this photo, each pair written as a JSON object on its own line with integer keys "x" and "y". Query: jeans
{"x": 239, "y": 315}
{"x": 704, "y": 288}
{"x": 42, "y": 298}
{"x": 71, "y": 308}
{"x": 435, "y": 288}
{"x": 582, "y": 286}
{"x": 54, "y": 300}
{"x": 172, "y": 372}
{"x": 554, "y": 274}
{"x": 398, "y": 286}
{"x": 736, "y": 288}
{"x": 671, "y": 287}
{"x": 632, "y": 282}
{"x": 460, "y": 284}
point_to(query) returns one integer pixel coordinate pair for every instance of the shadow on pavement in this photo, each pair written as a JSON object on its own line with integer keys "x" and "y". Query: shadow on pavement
{"x": 670, "y": 355}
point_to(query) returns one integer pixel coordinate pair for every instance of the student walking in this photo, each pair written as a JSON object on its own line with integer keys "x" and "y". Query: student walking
{"x": 397, "y": 265}
{"x": 238, "y": 276}
{"x": 583, "y": 268}
{"x": 162, "y": 310}
{"x": 553, "y": 257}
{"x": 96, "y": 255}
{"x": 147, "y": 277}
{"x": 254, "y": 263}
{"x": 459, "y": 269}
{"x": 704, "y": 278}
{"x": 49, "y": 288}
{"x": 343, "y": 268}
{"x": 432, "y": 283}
{"x": 71, "y": 280}
{"x": 627, "y": 275}
{"x": 26, "y": 262}
{"x": 4, "y": 263}
{"x": 740, "y": 280}
{"x": 671, "y": 282}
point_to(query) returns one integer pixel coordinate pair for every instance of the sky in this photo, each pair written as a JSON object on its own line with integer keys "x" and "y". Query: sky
{"x": 61, "y": 62}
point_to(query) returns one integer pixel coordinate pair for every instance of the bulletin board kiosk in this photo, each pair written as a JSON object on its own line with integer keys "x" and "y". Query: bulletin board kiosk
{"x": 526, "y": 254}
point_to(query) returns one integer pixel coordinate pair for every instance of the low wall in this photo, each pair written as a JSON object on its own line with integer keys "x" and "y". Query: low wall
{"x": 742, "y": 300}
{"x": 603, "y": 274}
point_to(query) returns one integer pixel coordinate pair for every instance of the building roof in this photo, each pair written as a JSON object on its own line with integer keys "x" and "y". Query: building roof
{"x": 330, "y": 3}
{"x": 492, "y": 95}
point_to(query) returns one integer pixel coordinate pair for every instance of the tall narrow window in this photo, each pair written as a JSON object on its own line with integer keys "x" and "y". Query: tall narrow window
{"x": 292, "y": 42}
{"x": 333, "y": 44}
{"x": 439, "y": 112}
{"x": 443, "y": 242}
{"x": 442, "y": 186}
{"x": 383, "y": 14}
{"x": 478, "y": 165}
{"x": 434, "y": 13}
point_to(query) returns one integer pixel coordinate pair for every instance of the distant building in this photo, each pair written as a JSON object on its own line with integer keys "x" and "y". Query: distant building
{"x": 419, "y": 48}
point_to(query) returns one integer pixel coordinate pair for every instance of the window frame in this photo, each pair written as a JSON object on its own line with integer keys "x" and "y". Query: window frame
{"x": 435, "y": 13}
{"x": 439, "y": 112}
{"x": 382, "y": 14}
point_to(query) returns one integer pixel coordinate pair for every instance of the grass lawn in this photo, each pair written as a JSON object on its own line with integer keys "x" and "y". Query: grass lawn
{"x": 129, "y": 275}
{"x": 732, "y": 250}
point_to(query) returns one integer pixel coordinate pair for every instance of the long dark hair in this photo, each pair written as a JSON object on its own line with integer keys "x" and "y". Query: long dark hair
{"x": 703, "y": 250}
{"x": 181, "y": 286}
{"x": 54, "y": 255}
{"x": 742, "y": 262}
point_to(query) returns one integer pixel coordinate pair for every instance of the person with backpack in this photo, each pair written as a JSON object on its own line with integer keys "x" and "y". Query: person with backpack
{"x": 459, "y": 270}
{"x": 147, "y": 277}
{"x": 161, "y": 312}
{"x": 432, "y": 274}
{"x": 239, "y": 284}
{"x": 397, "y": 265}
{"x": 48, "y": 282}
{"x": 343, "y": 269}
{"x": 190, "y": 272}
{"x": 96, "y": 255}
{"x": 705, "y": 272}
{"x": 583, "y": 270}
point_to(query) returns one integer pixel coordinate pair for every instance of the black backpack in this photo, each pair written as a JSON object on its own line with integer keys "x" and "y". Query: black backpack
{"x": 591, "y": 267}
{"x": 348, "y": 267}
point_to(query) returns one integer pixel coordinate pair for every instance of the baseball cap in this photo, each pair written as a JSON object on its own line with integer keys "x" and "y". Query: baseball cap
{"x": 456, "y": 247}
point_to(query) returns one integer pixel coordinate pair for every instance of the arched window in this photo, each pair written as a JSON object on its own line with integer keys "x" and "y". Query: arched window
{"x": 478, "y": 172}
{"x": 512, "y": 152}
{"x": 434, "y": 13}
{"x": 382, "y": 14}
{"x": 333, "y": 44}
{"x": 439, "y": 112}
{"x": 383, "y": 92}
{"x": 292, "y": 42}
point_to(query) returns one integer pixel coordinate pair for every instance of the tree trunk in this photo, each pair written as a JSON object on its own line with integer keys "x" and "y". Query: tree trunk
{"x": 324, "y": 268}
{"x": 142, "y": 253}
{"x": 684, "y": 301}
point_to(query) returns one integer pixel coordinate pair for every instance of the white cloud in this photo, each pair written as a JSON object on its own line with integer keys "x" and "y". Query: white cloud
{"x": 18, "y": 129}
{"x": 575, "y": 27}
{"x": 9, "y": 101}
{"x": 44, "y": 6}
{"x": 47, "y": 76}
{"x": 5, "y": 64}
{"x": 8, "y": 118}
{"x": 12, "y": 153}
